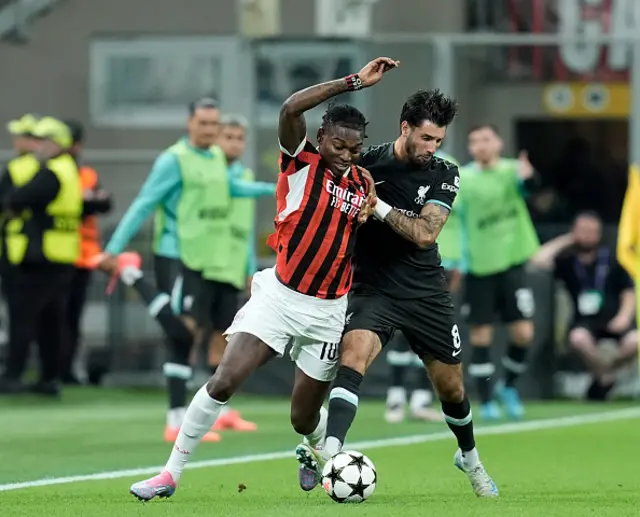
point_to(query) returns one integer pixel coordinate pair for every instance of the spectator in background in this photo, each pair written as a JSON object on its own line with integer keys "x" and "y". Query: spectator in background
{"x": 602, "y": 295}
{"x": 96, "y": 201}
{"x": 44, "y": 203}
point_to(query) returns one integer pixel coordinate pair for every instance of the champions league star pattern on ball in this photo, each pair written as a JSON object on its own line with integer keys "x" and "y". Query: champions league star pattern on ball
{"x": 349, "y": 477}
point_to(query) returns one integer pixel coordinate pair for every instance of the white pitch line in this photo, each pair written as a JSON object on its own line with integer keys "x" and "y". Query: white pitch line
{"x": 534, "y": 425}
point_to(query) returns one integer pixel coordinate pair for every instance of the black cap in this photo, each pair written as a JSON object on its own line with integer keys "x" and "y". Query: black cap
{"x": 77, "y": 130}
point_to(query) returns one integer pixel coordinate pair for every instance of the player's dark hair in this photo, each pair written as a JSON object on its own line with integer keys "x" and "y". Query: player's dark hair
{"x": 429, "y": 105}
{"x": 478, "y": 127}
{"x": 344, "y": 115}
{"x": 204, "y": 102}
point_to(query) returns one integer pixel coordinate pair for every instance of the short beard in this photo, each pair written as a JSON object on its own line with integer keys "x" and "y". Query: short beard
{"x": 585, "y": 248}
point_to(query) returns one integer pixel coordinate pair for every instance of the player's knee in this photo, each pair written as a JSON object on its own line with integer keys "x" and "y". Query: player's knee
{"x": 448, "y": 382}
{"x": 579, "y": 339}
{"x": 221, "y": 387}
{"x": 452, "y": 392}
{"x": 521, "y": 333}
{"x": 630, "y": 341}
{"x": 302, "y": 421}
{"x": 359, "y": 348}
{"x": 481, "y": 335}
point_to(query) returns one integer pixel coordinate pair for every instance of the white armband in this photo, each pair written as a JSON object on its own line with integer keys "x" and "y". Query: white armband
{"x": 381, "y": 210}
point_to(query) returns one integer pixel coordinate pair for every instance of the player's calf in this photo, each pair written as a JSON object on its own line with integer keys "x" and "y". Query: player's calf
{"x": 359, "y": 348}
{"x": 244, "y": 354}
{"x": 309, "y": 419}
{"x": 515, "y": 364}
{"x": 448, "y": 384}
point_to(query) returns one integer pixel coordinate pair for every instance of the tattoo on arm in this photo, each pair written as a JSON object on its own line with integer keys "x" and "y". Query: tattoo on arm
{"x": 422, "y": 230}
{"x": 292, "y": 127}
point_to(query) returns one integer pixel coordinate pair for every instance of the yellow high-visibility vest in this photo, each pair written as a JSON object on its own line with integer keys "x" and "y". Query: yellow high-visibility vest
{"x": 52, "y": 235}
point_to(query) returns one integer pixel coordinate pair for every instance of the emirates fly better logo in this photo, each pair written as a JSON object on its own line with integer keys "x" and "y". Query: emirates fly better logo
{"x": 345, "y": 200}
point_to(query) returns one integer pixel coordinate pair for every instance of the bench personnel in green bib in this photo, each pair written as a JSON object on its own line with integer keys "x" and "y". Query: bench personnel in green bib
{"x": 498, "y": 241}
{"x": 191, "y": 193}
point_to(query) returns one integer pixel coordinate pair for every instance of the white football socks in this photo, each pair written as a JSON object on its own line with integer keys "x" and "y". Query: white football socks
{"x": 317, "y": 436}
{"x": 332, "y": 446}
{"x": 200, "y": 416}
{"x": 130, "y": 275}
{"x": 175, "y": 417}
{"x": 471, "y": 458}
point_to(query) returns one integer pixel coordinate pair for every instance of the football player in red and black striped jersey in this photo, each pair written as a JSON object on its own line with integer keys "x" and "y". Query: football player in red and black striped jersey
{"x": 321, "y": 198}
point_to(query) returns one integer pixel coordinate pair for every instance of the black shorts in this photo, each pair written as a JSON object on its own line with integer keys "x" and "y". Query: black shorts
{"x": 183, "y": 284}
{"x": 427, "y": 323}
{"x": 217, "y": 305}
{"x": 505, "y": 295}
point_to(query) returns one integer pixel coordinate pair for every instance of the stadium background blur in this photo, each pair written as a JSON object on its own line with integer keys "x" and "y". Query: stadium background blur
{"x": 128, "y": 69}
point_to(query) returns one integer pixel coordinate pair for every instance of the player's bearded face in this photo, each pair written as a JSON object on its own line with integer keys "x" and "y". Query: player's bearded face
{"x": 422, "y": 142}
{"x": 587, "y": 233}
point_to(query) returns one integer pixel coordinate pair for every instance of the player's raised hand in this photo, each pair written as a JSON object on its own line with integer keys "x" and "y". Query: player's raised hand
{"x": 372, "y": 72}
{"x": 371, "y": 184}
{"x": 367, "y": 208}
{"x": 525, "y": 169}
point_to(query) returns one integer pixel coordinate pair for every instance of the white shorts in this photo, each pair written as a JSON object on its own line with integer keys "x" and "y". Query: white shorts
{"x": 280, "y": 316}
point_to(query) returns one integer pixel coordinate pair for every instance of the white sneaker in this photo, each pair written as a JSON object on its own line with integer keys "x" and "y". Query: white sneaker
{"x": 481, "y": 482}
{"x": 428, "y": 414}
{"x": 394, "y": 413}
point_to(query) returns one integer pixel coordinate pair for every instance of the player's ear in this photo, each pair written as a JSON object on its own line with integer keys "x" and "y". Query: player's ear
{"x": 405, "y": 129}
{"x": 320, "y": 135}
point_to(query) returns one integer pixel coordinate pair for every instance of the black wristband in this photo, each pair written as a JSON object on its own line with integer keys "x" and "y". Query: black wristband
{"x": 354, "y": 83}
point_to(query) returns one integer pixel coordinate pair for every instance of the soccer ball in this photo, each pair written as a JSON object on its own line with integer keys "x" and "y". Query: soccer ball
{"x": 349, "y": 477}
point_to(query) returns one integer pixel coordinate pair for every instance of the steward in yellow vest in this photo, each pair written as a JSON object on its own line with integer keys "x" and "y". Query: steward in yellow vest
{"x": 42, "y": 202}
{"x": 24, "y": 145}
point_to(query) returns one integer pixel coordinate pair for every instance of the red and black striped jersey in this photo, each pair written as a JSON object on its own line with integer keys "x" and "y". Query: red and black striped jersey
{"x": 316, "y": 223}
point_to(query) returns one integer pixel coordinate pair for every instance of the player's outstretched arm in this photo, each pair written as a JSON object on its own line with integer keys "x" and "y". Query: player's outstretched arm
{"x": 292, "y": 128}
{"x": 422, "y": 230}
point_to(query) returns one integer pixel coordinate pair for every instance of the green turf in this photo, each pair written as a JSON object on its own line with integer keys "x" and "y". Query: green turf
{"x": 585, "y": 470}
